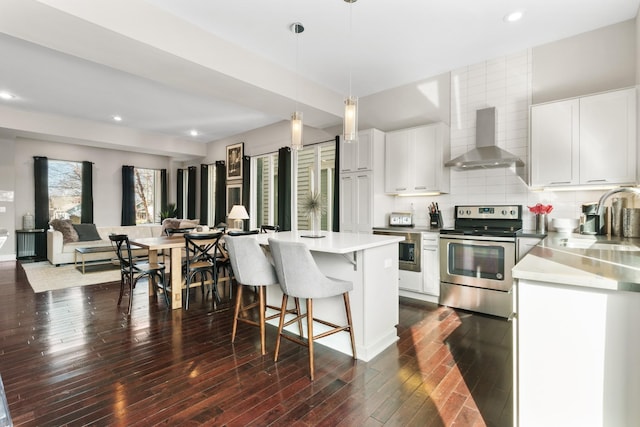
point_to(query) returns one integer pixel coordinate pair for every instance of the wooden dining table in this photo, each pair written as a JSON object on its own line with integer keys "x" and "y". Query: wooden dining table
{"x": 175, "y": 244}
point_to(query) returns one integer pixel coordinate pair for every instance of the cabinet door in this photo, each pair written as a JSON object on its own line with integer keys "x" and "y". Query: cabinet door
{"x": 348, "y": 156}
{"x": 396, "y": 174}
{"x": 364, "y": 202}
{"x": 347, "y": 203}
{"x": 554, "y": 144}
{"x": 364, "y": 150}
{"x": 608, "y": 138}
{"x": 426, "y": 158}
{"x": 431, "y": 265}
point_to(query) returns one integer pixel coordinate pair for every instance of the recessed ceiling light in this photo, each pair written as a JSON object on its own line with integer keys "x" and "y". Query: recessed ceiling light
{"x": 117, "y": 118}
{"x": 194, "y": 132}
{"x": 7, "y": 95}
{"x": 514, "y": 16}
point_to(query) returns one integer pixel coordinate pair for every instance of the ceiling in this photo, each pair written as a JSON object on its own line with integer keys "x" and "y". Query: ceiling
{"x": 223, "y": 68}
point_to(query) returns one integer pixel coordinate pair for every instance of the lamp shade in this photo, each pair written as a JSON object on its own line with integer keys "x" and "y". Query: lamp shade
{"x": 238, "y": 212}
{"x": 296, "y": 130}
{"x": 351, "y": 119}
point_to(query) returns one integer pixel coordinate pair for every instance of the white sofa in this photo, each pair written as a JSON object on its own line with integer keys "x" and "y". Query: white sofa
{"x": 59, "y": 252}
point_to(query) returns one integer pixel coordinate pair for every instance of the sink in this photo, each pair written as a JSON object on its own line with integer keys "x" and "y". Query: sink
{"x": 601, "y": 245}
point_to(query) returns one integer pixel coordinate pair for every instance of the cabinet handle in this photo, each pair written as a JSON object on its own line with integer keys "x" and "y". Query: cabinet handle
{"x": 362, "y": 168}
{"x": 559, "y": 182}
{"x": 511, "y": 317}
{"x": 424, "y": 187}
{"x": 401, "y": 189}
{"x": 362, "y": 176}
{"x": 597, "y": 180}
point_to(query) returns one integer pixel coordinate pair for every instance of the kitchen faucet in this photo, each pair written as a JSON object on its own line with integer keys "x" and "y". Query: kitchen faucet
{"x": 605, "y": 196}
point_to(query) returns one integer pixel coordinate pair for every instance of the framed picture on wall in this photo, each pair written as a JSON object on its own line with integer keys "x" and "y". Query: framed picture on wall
{"x": 234, "y": 161}
{"x": 234, "y": 195}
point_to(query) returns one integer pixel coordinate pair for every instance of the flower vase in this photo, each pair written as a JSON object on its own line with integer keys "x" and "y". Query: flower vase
{"x": 315, "y": 224}
{"x": 541, "y": 223}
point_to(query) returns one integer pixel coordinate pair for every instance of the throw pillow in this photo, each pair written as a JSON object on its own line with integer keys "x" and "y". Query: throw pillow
{"x": 189, "y": 223}
{"x": 86, "y": 232}
{"x": 65, "y": 226}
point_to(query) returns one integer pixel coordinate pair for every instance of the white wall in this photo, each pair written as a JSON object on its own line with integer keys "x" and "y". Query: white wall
{"x": 7, "y": 197}
{"x": 107, "y": 175}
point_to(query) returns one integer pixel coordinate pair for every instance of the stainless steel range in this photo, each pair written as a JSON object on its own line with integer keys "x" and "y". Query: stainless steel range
{"x": 476, "y": 258}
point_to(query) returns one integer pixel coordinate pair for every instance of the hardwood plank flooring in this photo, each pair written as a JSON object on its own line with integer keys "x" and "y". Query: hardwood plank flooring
{"x": 72, "y": 357}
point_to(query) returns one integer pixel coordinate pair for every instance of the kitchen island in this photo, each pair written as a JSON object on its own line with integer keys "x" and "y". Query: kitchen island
{"x": 576, "y": 342}
{"x": 371, "y": 263}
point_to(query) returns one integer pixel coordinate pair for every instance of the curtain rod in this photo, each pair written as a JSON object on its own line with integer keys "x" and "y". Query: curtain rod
{"x": 305, "y": 145}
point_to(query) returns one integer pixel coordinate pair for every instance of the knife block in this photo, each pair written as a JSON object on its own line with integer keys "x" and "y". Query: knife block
{"x": 435, "y": 220}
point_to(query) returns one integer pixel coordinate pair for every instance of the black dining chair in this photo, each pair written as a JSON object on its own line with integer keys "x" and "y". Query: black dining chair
{"x": 201, "y": 262}
{"x": 264, "y": 228}
{"x": 131, "y": 272}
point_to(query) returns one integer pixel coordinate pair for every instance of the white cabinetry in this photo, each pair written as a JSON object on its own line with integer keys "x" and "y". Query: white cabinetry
{"x": 424, "y": 285}
{"x": 358, "y": 156}
{"x": 415, "y": 160}
{"x": 576, "y": 356}
{"x": 362, "y": 183}
{"x": 585, "y": 141}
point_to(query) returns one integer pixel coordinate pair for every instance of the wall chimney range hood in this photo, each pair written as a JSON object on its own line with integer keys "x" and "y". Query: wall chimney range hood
{"x": 486, "y": 154}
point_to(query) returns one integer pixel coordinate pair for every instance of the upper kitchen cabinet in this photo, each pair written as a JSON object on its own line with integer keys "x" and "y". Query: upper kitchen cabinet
{"x": 363, "y": 202}
{"x": 414, "y": 160}
{"x": 585, "y": 141}
{"x": 357, "y": 156}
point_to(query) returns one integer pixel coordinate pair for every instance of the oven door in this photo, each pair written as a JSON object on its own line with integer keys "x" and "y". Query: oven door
{"x": 477, "y": 261}
{"x": 409, "y": 250}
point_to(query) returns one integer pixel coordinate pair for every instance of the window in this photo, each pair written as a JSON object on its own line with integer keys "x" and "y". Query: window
{"x": 315, "y": 168}
{"x": 267, "y": 189}
{"x": 148, "y": 195}
{"x": 65, "y": 190}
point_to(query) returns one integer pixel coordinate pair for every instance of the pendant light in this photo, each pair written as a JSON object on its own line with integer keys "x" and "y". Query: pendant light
{"x": 296, "y": 117}
{"x": 350, "y": 128}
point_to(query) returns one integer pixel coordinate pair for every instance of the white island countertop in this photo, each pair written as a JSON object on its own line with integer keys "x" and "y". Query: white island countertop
{"x": 332, "y": 242}
{"x": 572, "y": 259}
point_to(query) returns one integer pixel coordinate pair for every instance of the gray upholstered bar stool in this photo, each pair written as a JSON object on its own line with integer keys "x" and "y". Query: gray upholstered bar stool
{"x": 300, "y": 277}
{"x": 250, "y": 268}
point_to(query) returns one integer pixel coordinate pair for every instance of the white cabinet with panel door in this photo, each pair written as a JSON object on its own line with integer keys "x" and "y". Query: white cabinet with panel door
{"x": 415, "y": 160}
{"x": 363, "y": 202}
{"x": 358, "y": 156}
{"x": 424, "y": 285}
{"x": 585, "y": 141}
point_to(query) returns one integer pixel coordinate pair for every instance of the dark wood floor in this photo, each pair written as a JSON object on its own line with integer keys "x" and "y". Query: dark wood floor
{"x": 71, "y": 357}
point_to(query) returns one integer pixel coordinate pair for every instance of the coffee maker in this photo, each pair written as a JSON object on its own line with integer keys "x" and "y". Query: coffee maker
{"x": 590, "y": 221}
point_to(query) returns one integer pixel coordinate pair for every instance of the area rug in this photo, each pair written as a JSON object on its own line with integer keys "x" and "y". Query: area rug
{"x": 43, "y": 276}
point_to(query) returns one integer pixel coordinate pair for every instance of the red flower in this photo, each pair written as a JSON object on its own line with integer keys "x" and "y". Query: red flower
{"x": 539, "y": 209}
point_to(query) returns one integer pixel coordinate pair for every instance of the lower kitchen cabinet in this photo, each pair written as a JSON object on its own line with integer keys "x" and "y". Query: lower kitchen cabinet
{"x": 424, "y": 285}
{"x": 576, "y": 353}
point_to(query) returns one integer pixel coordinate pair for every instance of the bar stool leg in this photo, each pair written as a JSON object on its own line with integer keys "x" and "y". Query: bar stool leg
{"x": 263, "y": 343}
{"x": 282, "y": 313}
{"x": 347, "y": 307}
{"x": 236, "y": 312}
{"x": 310, "y": 334}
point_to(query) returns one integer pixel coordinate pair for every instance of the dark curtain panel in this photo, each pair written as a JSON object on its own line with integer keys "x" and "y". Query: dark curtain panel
{"x": 204, "y": 194}
{"x": 191, "y": 193}
{"x": 180, "y": 194}
{"x": 221, "y": 192}
{"x": 86, "y": 204}
{"x": 163, "y": 190}
{"x": 41, "y": 181}
{"x": 336, "y": 188}
{"x": 41, "y": 203}
{"x": 246, "y": 187}
{"x": 284, "y": 188}
{"x": 128, "y": 197}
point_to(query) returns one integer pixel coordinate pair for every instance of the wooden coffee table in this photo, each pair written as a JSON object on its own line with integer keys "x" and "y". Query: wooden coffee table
{"x": 99, "y": 265}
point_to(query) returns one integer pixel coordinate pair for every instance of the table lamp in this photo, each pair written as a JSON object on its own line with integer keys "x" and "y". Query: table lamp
{"x": 238, "y": 214}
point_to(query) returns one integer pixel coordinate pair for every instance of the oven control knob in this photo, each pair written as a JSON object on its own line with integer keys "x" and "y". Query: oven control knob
{"x": 513, "y": 212}
{"x": 468, "y": 211}
{"x": 504, "y": 212}
{"x": 461, "y": 212}
{"x": 499, "y": 276}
